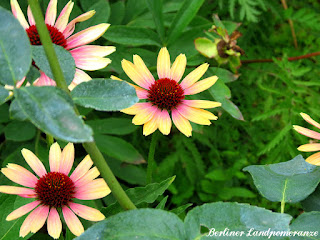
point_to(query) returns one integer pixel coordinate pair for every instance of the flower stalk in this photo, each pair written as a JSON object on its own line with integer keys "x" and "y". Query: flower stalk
{"x": 90, "y": 147}
{"x": 151, "y": 162}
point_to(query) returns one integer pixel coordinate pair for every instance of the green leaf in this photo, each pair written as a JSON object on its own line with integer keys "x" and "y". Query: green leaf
{"x": 235, "y": 217}
{"x": 162, "y": 204}
{"x": 117, "y": 13}
{"x": 19, "y": 131}
{"x": 65, "y": 59}
{"x": 312, "y": 203}
{"x": 155, "y": 7}
{"x": 223, "y": 74}
{"x": 4, "y": 113}
{"x": 132, "y": 36}
{"x": 16, "y": 112}
{"x": 4, "y": 94}
{"x": 138, "y": 195}
{"x": 32, "y": 75}
{"x": 206, "y": 47}
{"x": 105, "y": 95}
{"x": 8, "y": 203}
{"x": 221, "y": 93}
{"x": 306, "y": 223}
{"x": 15, "y": 51}
{"x": 50, "y": 109}
{"x": 116, "y": 126}
{"x": 146, "y": 224}
{"x": 119, "y": 149}
{"x": 181, "y": 209}
{"x": 290, "y": 181}
{"x": 184, "y": 16}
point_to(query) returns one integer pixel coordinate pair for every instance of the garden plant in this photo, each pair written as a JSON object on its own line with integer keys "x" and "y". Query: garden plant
{"x": 117, "y": 119}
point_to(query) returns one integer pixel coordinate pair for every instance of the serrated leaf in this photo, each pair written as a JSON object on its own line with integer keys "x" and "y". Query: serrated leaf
{"x": 235, "y": 217}
{"x": 138, "y": 195}
{"x": 50, "y": 109}
{"x": 132, "y": 36}
{"x": 148, "y": 224}
{"x": 290, "y": 181}
{"x": 104, "y": 95}
{"x": 15, "y": 50}
{"x": 65, "y": 59}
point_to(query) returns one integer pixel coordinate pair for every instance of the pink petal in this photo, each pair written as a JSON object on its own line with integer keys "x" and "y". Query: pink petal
{"x": 163, "y": 63}
{"x": 21, "y": 211}
{"x": 21, "y": 191}
{"x": 67, "y": 159}
{"x": 16, "y": 11}
{"x": 92, "y": 51}
{"x": 307, "y": 132}
{"x": 63, "y": 18}
{"x": 181, "y": 123}
{"x": 30, "y": 17}
{"x": 164, "y": 122}
{"x": 90, "y": 63}
{"x": 44, "y": 80}
{"x": 20, "y": 175}
{"x": 88, "y": 177}
{"x": 141, "y": 93}
{"x": 55, "y": 157}
{"x": 134, "y": 74}
{"x": 93, "y": 190}
{"x": 51, "y": 13}
{"x": 307, "y": 118}
{"x": 82, "y": 168}
{"x": 87, "y": 213}
{"x": 72, "y": 221}
{"x": 143, "y": 70}
{"x": 68, "y": 30}
{"x": 87, "y": 36}
{"x": 54, "y": 224}
{"x": 40, "y": 219}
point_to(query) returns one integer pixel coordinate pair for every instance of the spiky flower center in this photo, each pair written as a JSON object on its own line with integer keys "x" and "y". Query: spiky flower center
{"x": 55, "y": 189}
{"x": 56, "y": 36}
{"x": 165, "y": 93}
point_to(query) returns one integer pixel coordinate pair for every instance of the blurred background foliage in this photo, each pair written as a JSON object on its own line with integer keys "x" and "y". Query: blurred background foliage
{"x": 255, "y": 121}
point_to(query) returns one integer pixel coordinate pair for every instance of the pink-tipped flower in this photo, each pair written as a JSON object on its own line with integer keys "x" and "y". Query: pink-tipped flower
{"x": 167, "y": 95}
{"x": 310, "y": 147}
{"x": 54, "y": 191}
{"x": 87, "y": 57}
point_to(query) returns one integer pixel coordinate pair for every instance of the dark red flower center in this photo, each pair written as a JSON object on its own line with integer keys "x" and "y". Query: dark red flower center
{"x": 165, "y": 93}
{"x": 55, "y": 189}
{"x": 56, "y": 36}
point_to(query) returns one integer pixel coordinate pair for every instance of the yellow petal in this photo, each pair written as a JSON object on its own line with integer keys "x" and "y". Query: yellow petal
{"x": 164, "y": 122}
{"x": 311, "y": 147}
{"x": 307, "y": 118}
{"x": 16, "y": 10}
{"x": 201, "y": 103}
{"x": 130, "y": 69}
{"x": 194, "y": 76}
{"x": 201, "y": 86}
{"x": 163, "y": 63}
{"x": 181, "y": 123}
{"x": 54, "y": 157}
{"x": 51, "y": 12}
{"x": 307, "y": 132}
{"x": 314, "y": 159}
{"x": 178, "y": 67}
{"x": 143, "y": 70}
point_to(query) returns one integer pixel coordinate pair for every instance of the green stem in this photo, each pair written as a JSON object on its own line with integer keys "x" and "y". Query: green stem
{"x": 50, "y": 140}
{"x": 151, "y": 161}
{"x": 90, "y": 147}
{"x": 283, "y": 203}
{"x": 36, "y": 143}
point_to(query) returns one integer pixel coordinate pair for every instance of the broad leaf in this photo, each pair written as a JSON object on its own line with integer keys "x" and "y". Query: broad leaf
{"x": 15, "y": 51}
{"x": 118, "y": 148}
{"x": 224, "y": 74}
{"x": 132, "y": 36}
{"x": 19, "y": 131}
{"x": 4, "y": 94}
{"x": 312, "y": 203}
{"x": 146, "y": 224}
{"x": 185, "y": 15}
{"x": 16, "y": 112}
{"x": 116, "y": 126}
{"x": 105, "y": 95}
{"x": 65, "y": 59}
{"x": 51, "y": 110}
{"x": 235, "y": 217}
{"x": 306, "y": 223}
{"x": 290, "y": 181}
{"x": 206, "y": 47}
{"x": 138, "y": 195}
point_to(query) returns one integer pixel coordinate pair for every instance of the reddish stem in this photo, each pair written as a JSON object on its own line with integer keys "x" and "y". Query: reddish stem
{"x": 289, "y": 59}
